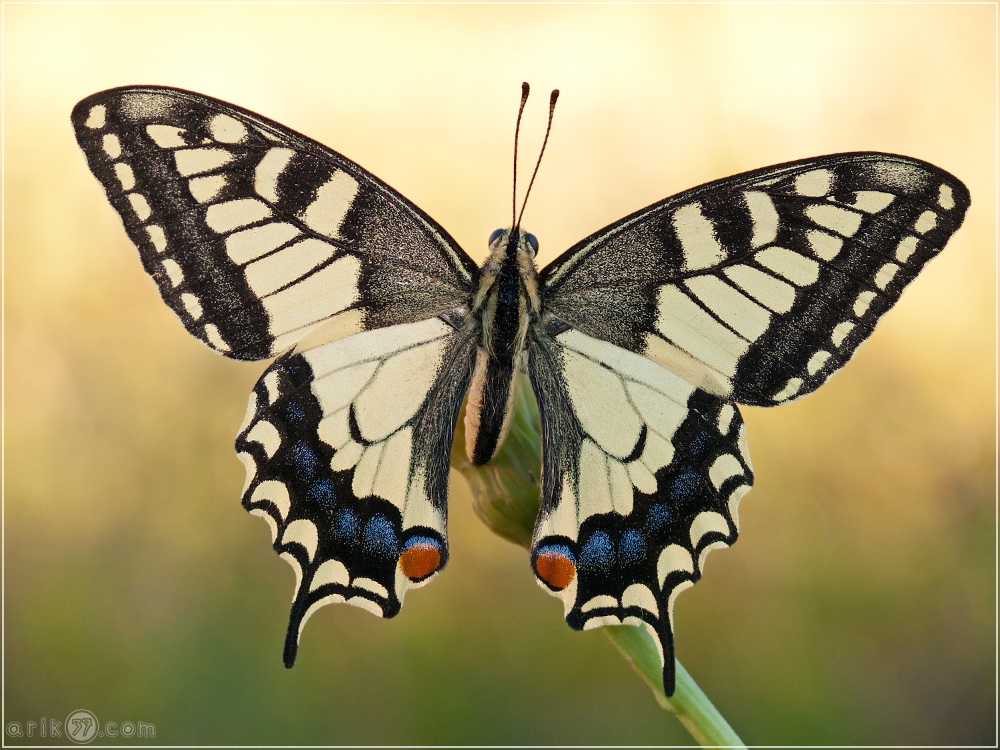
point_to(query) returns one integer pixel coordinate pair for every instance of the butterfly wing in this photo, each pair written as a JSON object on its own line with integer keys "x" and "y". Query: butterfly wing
{"x": 347, "y": 449}
{"x": 642, "y": 474}
{"x": 753, "y": 289}
{"x": 262, "y": 240}
{"x": 255, "y": 234}
{"x": 759, "y": 287}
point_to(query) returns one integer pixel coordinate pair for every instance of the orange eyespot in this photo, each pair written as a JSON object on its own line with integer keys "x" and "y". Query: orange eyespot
{"x": 420, "y": 558}
{"x": 555, "y": 566}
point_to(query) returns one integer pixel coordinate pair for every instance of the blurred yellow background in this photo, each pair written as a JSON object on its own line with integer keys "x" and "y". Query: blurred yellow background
{"x": 858, "y": 606}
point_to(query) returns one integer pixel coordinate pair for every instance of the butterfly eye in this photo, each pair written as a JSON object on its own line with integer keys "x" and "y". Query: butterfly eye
{"x": 532, "y": 242}
{"x": 497, "y": 234}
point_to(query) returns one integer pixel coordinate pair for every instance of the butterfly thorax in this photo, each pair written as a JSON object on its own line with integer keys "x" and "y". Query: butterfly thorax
{"x": 505, "y": 304}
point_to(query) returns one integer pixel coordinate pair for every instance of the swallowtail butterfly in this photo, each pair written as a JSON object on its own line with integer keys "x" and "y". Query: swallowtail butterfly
{"x": 639, "y": 341}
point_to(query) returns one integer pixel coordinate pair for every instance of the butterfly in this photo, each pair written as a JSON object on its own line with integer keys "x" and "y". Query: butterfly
{"x": 639, "y": 343}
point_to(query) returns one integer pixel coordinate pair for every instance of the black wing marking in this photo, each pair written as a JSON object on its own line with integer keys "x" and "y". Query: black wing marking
{"x": 347, "y": 449}
{"x": 642, "y": 474}
{"x": 760, "y": 286}
{"x": 253, "y": 233}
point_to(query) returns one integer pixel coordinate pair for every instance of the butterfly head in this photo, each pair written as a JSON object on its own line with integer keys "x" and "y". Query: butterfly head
{"x": 511, "y": 243}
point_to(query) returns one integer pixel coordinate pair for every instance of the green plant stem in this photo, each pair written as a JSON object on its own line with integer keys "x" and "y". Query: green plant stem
{"x": 689, "y": 703}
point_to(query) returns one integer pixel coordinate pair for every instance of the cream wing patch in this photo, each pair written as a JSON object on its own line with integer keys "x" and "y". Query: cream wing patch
{"x": 377, "y": 380}
{"x": 629, "y": 409}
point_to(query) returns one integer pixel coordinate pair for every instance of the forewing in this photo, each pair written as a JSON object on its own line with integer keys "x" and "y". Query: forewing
{"x": 255, "y": 234}
{"x": 347, "y": 449}
{"x": 641, "y": 477}
{"x": 758, "y": 287}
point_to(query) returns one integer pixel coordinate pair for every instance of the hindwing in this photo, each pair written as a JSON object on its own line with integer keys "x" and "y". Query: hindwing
{"x": 255, "y": 234}
{"x": 760, "y": 286}
{"x": 642, "y": 476}
{"x": 347, "y": 449}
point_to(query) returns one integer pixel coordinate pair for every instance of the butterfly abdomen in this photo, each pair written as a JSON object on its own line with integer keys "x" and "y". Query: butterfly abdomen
{"x": 487, "y": 414}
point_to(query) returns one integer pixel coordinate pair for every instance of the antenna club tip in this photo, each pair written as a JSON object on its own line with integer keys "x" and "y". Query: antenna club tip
{"x": 553, "y": 96}
{"x": 525, "y": 88}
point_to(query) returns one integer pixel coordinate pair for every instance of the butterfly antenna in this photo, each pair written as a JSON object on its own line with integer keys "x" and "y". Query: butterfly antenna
{"x": 548, "y": 128}
{"x": 525, "y": 88}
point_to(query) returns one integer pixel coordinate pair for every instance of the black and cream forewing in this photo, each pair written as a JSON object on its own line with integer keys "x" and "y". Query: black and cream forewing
{"x": 255, "y": 234}
{"x": 759, "y": 287}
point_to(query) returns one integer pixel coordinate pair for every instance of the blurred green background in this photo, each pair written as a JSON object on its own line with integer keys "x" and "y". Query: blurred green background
{"x": 858, "y": 606}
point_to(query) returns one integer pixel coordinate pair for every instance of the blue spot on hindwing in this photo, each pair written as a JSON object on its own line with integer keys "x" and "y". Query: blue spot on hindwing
{"x": 558, "y": 549}
{"x": 699, "y": 443}
{"x": 380, "y": 537}
{"x": 632, "y": 546}
{"x": 294, "y": 413}
{"x": 303, "y": 459}
{"x": 597, "y": 553}
{"x": 685, "y": 485}
{"x": 658, "y": 516}
{"x": 346, "y": 524}
{"x": 323, "y": 492}
{"x": 415, "y": 540}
